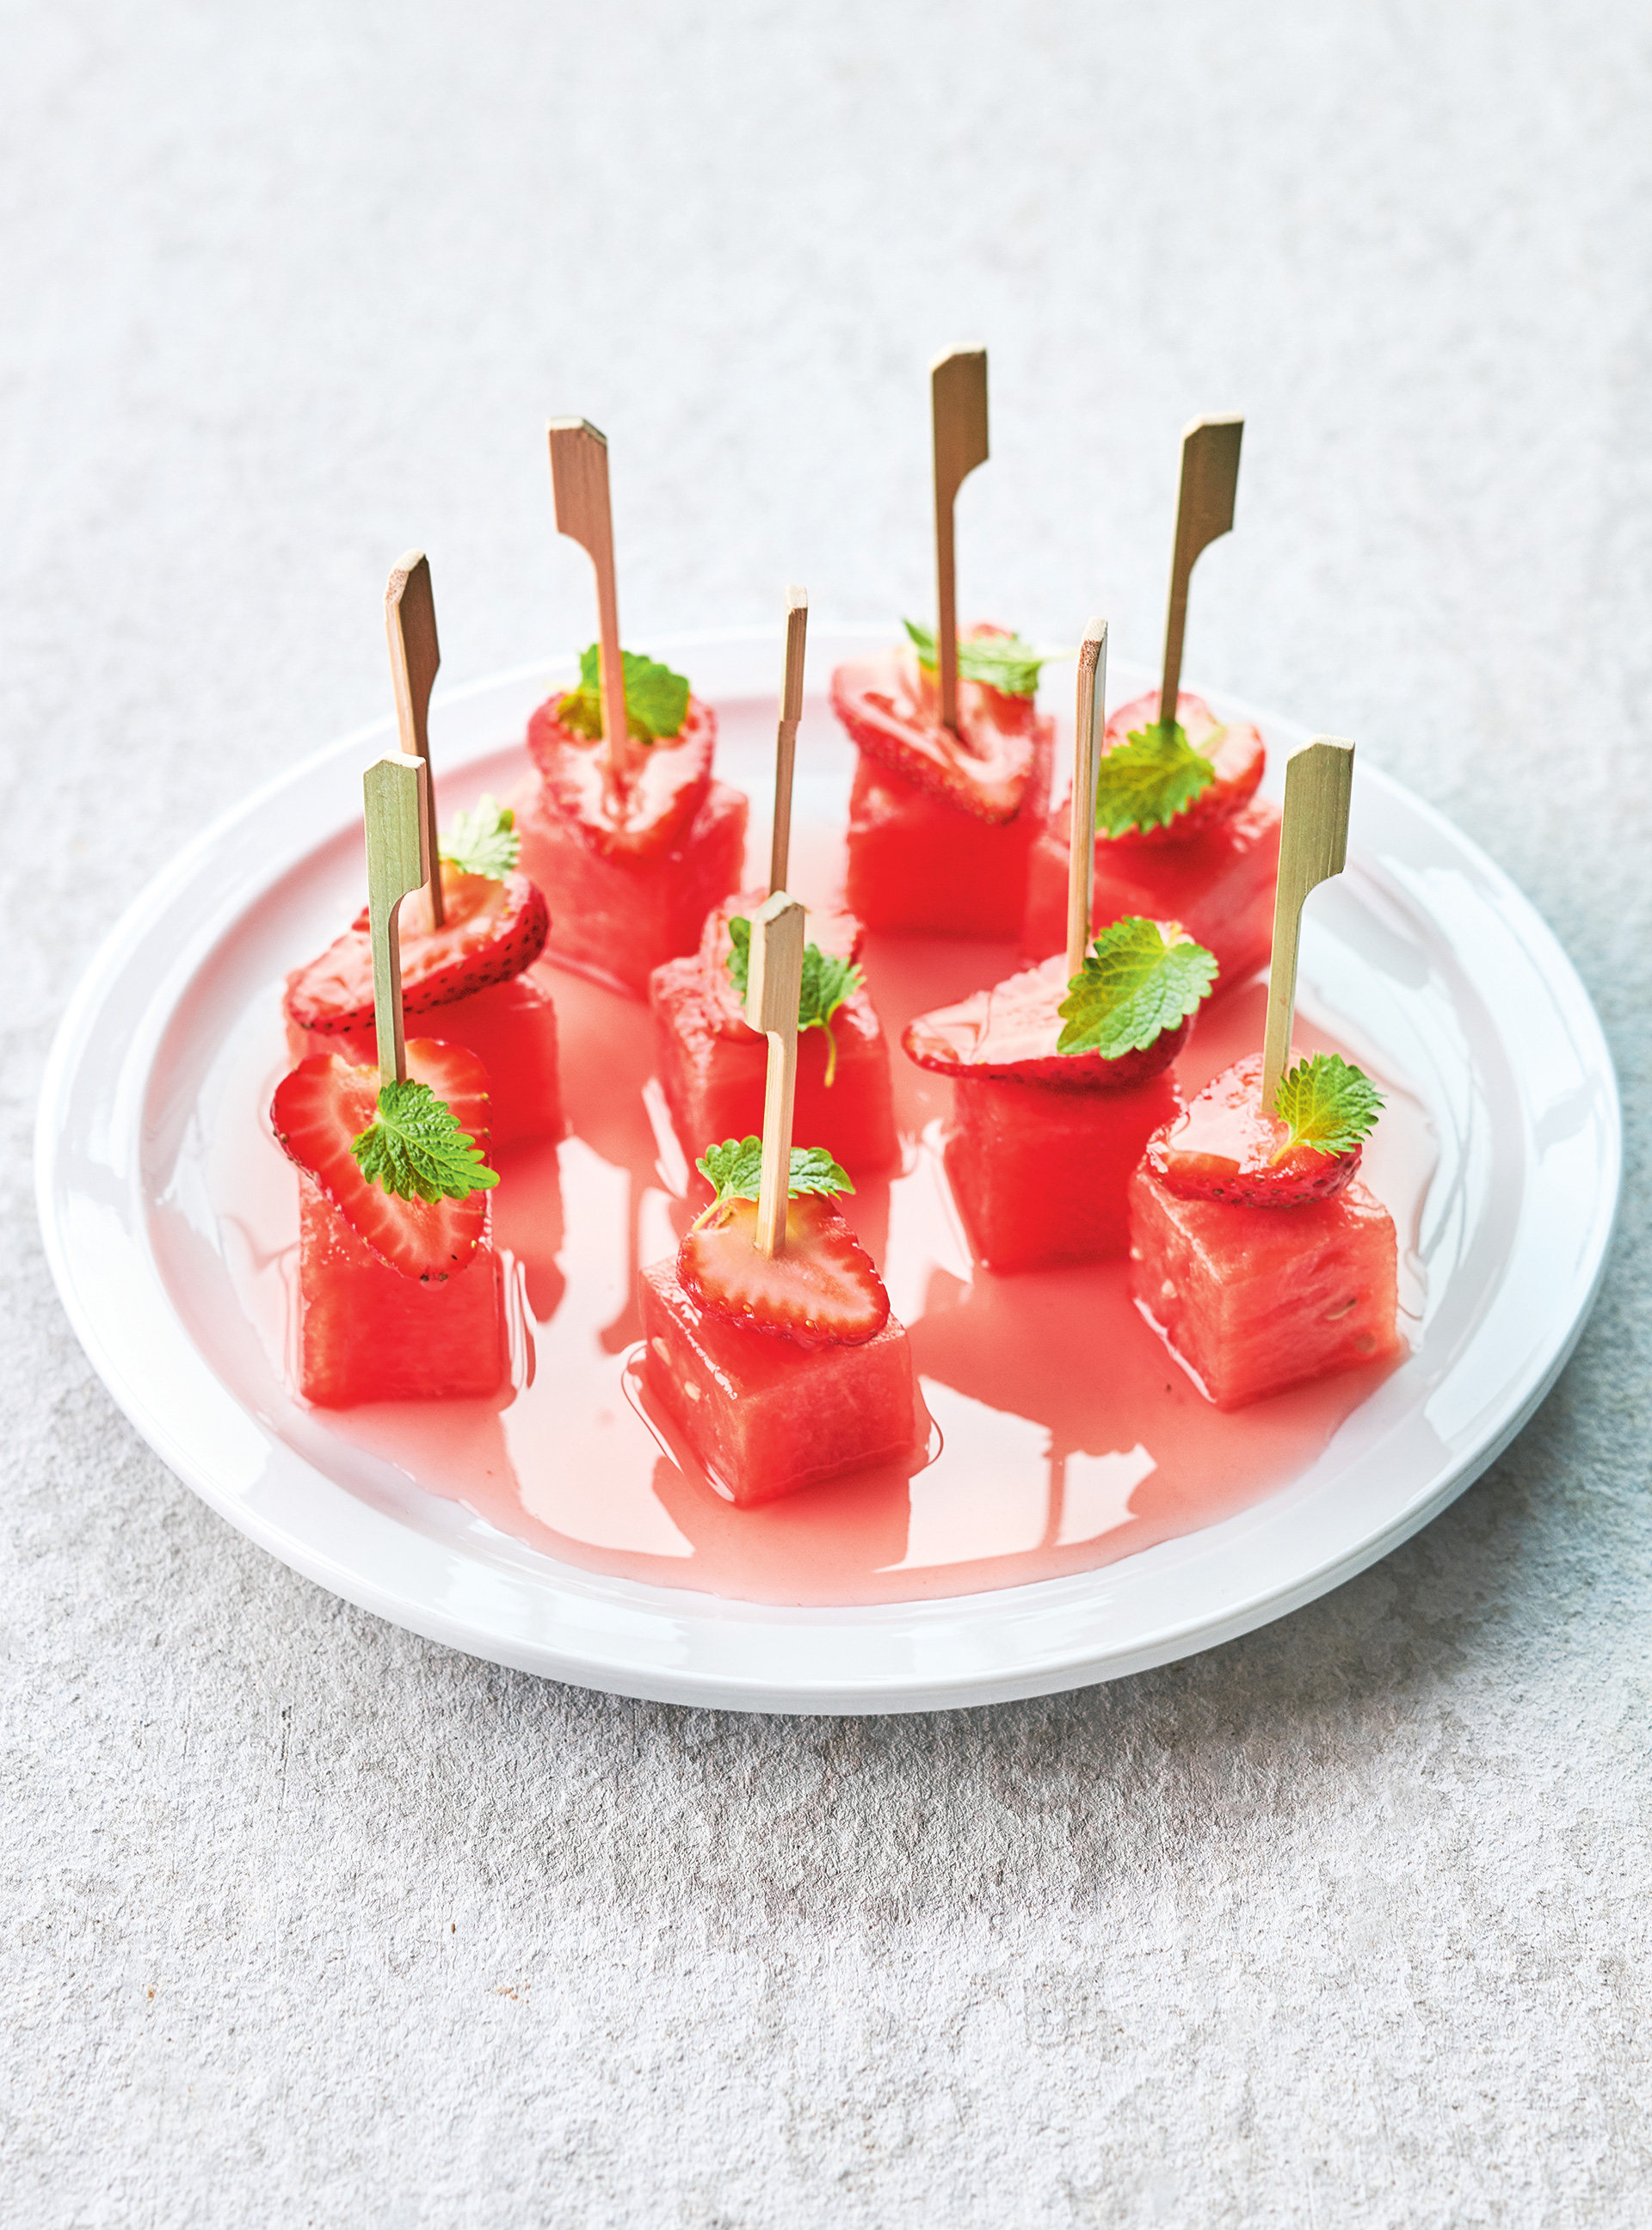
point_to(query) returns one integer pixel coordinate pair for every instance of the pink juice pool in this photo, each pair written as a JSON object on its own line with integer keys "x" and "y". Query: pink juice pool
{"x": 1065, "y": 1435}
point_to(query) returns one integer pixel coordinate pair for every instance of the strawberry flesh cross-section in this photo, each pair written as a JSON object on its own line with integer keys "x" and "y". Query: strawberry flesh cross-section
{"x": 631, "y": 863}
{"x": 398, "y": 1299}
{"x": 941, "y": 826}
{"x": 472, "y": 973}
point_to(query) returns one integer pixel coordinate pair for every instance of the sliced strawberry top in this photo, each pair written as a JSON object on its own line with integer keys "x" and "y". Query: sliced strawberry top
{"x": 1236, "y": 751}
{"x": 839, "y": 934}
{"x": 890, "y": 706}
{"x": 821, "y": 1290}
{"x": 494, "y": 930}
{"x": 640, "y": 809}
{"x": 1010, "y": 1032}
{"x": 326, "y": 1101}
{"x": 1226, "y": 1145}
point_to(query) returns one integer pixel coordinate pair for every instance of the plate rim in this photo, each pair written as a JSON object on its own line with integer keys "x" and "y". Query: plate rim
{"x": 723, "y": 1686}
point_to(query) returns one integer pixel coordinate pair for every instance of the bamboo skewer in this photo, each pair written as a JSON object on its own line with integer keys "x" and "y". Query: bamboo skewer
{"x": 393, "y": 796}
{"x": 1313, "y": 847}
{"x": 957, "y": 391}
{"x": 409, "y": 621}
{"x": 772, "y": 988}
{"x": 580, "y": 491}
{"x": 786, "y": 746}
{"x": 1090, "y": 727}
{"x": 1204, "y": 514}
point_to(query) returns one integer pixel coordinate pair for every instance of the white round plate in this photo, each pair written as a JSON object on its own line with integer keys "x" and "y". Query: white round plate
{"x": 1445, "y": 971}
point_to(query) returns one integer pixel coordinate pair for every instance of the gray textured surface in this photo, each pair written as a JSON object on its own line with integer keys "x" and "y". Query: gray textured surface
{"x": 308, "y": 1922}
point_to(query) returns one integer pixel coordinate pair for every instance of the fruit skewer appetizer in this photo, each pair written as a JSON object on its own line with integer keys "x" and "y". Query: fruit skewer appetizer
{"x": 625, "y": 830}
{"x": 1061, "y": 1074}
{"x": 952, "y": 779}
{"x": 713, "y": 1064}
{"x": 1179, "y": 830}
{"x": 768, "y": 1337}
{"x": 399, "y": 1290}
{"x": 467, "y": 940}
{"x": 1256, "y": 1252}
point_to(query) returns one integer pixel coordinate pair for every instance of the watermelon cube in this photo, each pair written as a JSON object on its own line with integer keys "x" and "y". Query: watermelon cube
{"x": 616, "y": 917}
{"x": 1217, "y": 883}
{"x": 763, "y": 1416}
{"x": 368, "y": 1333}
{"x": 918, "y": 863}
{"x": 1251, "y": 1300}
{"x": 1040, "y": 1172}
{"x": 512, "y": 1029}
{"x": 714, "y": 1081}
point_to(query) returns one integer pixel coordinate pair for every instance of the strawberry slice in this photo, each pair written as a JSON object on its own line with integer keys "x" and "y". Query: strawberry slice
{"x": 326, "y": 1101}
{"x": 1010, "y": 1031}
{"x": 640, "y": 809}
{"x": 1236, "y": 751}
{"x": 838, "y": 934}
{"x": 494, "y": 929}
{"x": 890, "y": 706}
{"x": 821, "y": 1290}
{"x": 1226, "y": 1145}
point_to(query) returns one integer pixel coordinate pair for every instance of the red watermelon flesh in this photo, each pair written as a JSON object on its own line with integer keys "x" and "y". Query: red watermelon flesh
{"x": 714, "y": 1066}
{"x": 511, "y": 1029}
{"x": 715, "y": 1080}
{"x": 918, "y": 865}
{"x": 617, "y": 919}
{"x": 1251, "y": 1300}
{"x": 1219, "y": 884}
{"x": 366, "y": 1333}
{"x": 1040, "y": 1174}
{"x": 763, "y": 1416}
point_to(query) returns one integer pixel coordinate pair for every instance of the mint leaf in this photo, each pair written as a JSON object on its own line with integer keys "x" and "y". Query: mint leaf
{"x": 1328, "y": 1103}
{"x": 734, "y": 1169}
{"x": 414, "y": 1149}
{"x": 1146, "y": 781}
{"x": 483, "y": 841}
{"x": 1003, "y": 662}
{"x": 657, "y": 700}
{"x": 1134, "y": 984}
{"x": 739, "y": 960}
{"x": 827, "y": 982}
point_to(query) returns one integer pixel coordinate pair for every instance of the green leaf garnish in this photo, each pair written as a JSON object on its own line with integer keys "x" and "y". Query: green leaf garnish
{"x": 1328, "y": 1103}
{"x": 483, "y": 841}
{"x": 1003, "y": 660}
{"x": 1132, "y": 987}
{"x": 414, "y": 1149}
{"x": 1146, "y": 781}
{"x": 734, "y": 1171}
{"x": 828, "y": 983}
{"x": 657, "y": 700}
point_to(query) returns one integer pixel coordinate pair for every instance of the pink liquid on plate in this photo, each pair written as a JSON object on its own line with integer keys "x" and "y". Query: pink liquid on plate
{"x": 1068, "y": 1437}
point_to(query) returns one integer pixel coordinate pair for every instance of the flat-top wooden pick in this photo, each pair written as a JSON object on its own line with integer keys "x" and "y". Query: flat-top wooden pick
{"x": 1090, "y": 727}
{"x": 957, "y": 389}
{"x": 1204, "y": 514}
{"x": 393, "y": 796}
{"x": 785, "y": 746}
{"x": 579, "y": 490}
{"x": 773, "y": 986}
{"x": 1313, "y": 847}
{"x": 409, "y": 622}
